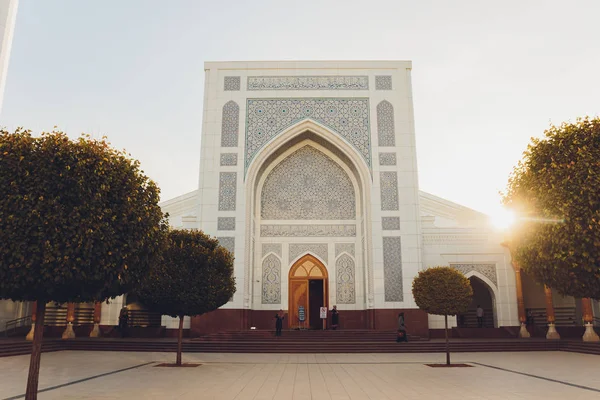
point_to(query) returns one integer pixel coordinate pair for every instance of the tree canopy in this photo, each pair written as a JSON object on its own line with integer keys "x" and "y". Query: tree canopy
{"x": 555, "y": 192}
{"x": 79, "y": 221}
{"x": 194, "y": 277}
{"x": 442, "y": 291}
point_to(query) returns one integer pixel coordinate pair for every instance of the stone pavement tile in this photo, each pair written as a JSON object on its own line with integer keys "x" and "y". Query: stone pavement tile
{"x": 302, "y": 382}
{"x": 355, "y": 392}
{"x": 335, "y": 388}
{"x": 285, "y": 386}
{"x": 360, "y": 375}
{"x": 307, "y": 376}
{"x": 269, "y": 387}
{"x": 253, "y": 386}
{"x": 318, "y": 388}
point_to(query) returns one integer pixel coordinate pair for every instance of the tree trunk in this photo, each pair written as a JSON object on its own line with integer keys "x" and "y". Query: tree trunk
{"x": 36, "y": 352}
{"x": 179, "y": 340}
{"x": 447, "y": 342}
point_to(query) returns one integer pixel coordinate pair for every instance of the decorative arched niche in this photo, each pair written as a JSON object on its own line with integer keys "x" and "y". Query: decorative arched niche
{"x": 276, "y": 176}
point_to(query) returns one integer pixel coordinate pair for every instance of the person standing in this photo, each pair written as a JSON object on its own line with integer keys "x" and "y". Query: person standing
{"x": 402, "y": 336}
{"x": 123, "y": 321}
{"x": 279, "y": 317}
{"x": 479, "y": 316}
{"x": 335, "y": 318}
{"x": 529, "y": 320}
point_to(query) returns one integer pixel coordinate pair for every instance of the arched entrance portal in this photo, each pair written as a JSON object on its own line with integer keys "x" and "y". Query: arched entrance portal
{"x": 482, "y": 296}
{"x": 308, "y": 288}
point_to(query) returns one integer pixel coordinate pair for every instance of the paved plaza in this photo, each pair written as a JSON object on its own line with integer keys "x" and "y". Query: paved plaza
{"x": 112, "y": 375}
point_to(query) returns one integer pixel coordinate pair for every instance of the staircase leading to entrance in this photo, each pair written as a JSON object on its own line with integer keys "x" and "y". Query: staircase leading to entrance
{"x": 299, "y": 342}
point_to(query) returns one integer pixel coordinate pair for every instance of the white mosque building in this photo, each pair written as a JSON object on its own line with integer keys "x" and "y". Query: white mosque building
{"x": 308, "y": 174}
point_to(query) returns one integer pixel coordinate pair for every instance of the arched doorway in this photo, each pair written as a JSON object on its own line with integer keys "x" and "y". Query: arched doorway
{"x": 308, "y": 288}
{"x": 482, "y": 296}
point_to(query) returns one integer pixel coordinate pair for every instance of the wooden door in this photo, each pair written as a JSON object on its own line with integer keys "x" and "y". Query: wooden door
{"x": 298, "y": 297}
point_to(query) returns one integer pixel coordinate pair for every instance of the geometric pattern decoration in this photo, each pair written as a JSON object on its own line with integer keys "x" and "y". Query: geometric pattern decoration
{"x": 344, "y": 272}
{"x": 487, "y": 270}
{"x": 383, "y": 82}
{"x": 226, "y": 223}
{"x": 386, "y": 132}
{"x": 344, "y": 248}
{"x": 319, "y": 249}
{"x": 308, "y": 83}
{"x": 230, "y": 124}
{"x": 308, "y": 230}
{"x": 392, "y": 269}
{"x": 232, "y": 83}
{"x": 348, "y": 117}
{"x": 271, "y": 280}
{"x": 387, "y": 158}
{"x": 230, "y": 159}
{"x": 271, "y": 248}
{"x": 227, "y": 191}
{"x": 308, "y": 185}
{"x": 390, "y": 223}
{"x": 388, "y": 183}
{"x": 228, "y": 243}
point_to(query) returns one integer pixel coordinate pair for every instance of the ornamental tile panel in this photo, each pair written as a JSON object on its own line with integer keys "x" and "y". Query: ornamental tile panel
{"x": 228, "y": 243}
{"x": 232, "y": 83}
{"x": 226, "y": 223}
{"x": 383, "y": 82}
{"x": 345, "y": 277}
{"x": 348, "y": 117}
{"x": 227, "y": 191}
{"x": 308, "y": 185}
{"x": 390, "y": 223}
{"x": 487, "y": 270}
{"x": 388, "y": 181}
{"x": 319, "y": 249}
{"x": 386, "y": 132}
{"x": 344, "y": 248}
{"x": 271, "y": 248}
{"x": 271, "y": 280}
{"x": 308, "y": 230}
{"x": 387, "y": 158}
{"x": 308, "y": 83}
{"x": 392, "y": 269}
{"x": 228, "y": 159}
{"x": 230, "y": 124}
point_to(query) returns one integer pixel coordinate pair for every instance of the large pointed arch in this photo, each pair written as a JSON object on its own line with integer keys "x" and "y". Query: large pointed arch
{"x": 335, "y": 147}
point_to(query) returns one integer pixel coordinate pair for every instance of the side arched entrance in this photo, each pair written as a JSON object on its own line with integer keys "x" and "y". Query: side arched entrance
{"x": 483, "y": 296}
{"x": 308, "y": 288}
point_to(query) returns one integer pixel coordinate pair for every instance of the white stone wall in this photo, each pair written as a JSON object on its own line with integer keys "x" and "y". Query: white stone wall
{"x": 452, "y": 235}
{"x": 474, "y": 251}
{"x": 369, "y": 258}
{"x": 8, "y": 15}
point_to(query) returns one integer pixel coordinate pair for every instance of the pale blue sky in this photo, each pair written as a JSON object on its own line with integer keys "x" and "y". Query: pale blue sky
{"x": 486, "y": 75}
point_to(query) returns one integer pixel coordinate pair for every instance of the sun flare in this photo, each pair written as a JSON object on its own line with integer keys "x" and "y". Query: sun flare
{"x": 502, "y": 219}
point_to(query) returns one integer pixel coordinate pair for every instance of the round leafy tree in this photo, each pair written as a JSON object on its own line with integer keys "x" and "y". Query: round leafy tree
{"x": 194, "y": 277}
{"x": 78, "y": 222}
{"x": 555, "y": 192}
{"x": 442, "y": 291}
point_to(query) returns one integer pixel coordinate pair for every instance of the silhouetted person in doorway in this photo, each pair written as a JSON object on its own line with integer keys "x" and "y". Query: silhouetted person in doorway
{"x": 479, "y": 316}
{"x": 529, "y": 317}
{"x": 123, "y": 322}
{"x": 402, "y": 336}
{"x": 279, "y": 317}
{"x": 335, "y": 318}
